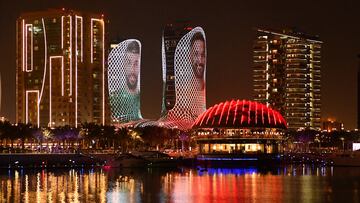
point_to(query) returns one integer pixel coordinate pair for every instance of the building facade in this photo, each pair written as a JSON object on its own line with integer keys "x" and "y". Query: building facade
{"x": 286, "y": 76}
{"x": 184, "y": 70}
{"x": 60, "y": 68}
{"x": 124, "y": 81}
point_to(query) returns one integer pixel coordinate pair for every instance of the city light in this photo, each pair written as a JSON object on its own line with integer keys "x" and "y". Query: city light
{"x": 37, "y": 106}
{"x": 62, "y": 32}
{"x": 59, "y": 46}
{"x": 101, "y": 21}
{"x": 72, "y": 129}
{"x": 50, "y": 84}
{"x": 76, "y": 61}
{"x": 70, "y": 55}
{"x": 241, "y": 111}
{"x": 45, "y": 61}
{"x": 29, "y": 28}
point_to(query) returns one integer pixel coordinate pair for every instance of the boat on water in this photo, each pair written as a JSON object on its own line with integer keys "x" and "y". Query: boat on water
{"x": 126, "y": 160}
{"x": 138, "y": 159}
{"x": 345, "y": 158}
{"x": 157, "y": 159}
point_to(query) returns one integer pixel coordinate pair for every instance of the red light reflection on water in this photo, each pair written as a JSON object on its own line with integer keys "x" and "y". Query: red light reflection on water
{"x": 226, "y": 187}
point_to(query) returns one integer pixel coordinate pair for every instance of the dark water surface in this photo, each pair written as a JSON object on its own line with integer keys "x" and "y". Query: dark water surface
{"x": 285, "y": 184}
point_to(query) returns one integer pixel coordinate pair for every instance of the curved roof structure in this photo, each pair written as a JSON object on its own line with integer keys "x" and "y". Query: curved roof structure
{"x": 240, "y": 114}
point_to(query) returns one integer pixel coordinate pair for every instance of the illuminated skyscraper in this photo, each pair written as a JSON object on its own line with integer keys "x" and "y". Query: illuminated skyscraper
{"x": 60, "y": 68}
{"x": 286, "y": 76}
{"x": 124, "y": 81}
{"x": 184, "y": 68}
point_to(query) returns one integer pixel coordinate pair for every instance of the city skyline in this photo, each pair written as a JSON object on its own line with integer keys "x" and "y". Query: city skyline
{"x": 229, "y": 50}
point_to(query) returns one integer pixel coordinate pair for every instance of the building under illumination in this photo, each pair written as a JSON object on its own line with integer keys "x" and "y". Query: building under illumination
{"x": 184, "y": 69}
{"x": 60, "y": 68}
{"x": 124, "y": 81}
{"x": 332, "y": 125}
{"x": 286, "y": 76}
{"x": 239, "y": 130}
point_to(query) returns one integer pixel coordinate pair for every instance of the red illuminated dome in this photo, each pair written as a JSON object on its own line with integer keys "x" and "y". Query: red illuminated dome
{"x": 240, "y": 114}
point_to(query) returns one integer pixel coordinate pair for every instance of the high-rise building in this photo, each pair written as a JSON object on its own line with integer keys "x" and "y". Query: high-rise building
{"x": 184, "y": 65}
{"x": 124, "y": 81}
{"x": 286, "y": 75}
{"x": 60, "y": 68}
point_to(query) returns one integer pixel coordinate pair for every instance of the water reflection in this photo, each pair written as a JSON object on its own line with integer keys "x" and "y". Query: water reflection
{"x": 286, "y": 184}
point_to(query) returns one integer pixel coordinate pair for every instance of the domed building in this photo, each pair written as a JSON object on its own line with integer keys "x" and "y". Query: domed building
{"x": 239, "y": 130}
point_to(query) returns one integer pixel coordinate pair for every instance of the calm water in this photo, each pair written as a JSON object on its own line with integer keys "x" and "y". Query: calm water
{"x": 287, "y": 184}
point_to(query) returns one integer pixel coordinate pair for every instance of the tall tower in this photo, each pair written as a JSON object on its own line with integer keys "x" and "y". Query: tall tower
{"x": 60, "y": 68}
{"x": 286, "y": 76}
{"x": 184, "y": 69}
{"x": 124, "y": 81}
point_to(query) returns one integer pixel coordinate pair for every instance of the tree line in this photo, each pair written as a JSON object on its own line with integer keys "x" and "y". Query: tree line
{"x": 89, "y": 136}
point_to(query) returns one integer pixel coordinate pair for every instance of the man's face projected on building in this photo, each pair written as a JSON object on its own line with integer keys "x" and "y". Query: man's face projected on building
{"x": 132, "y": 65}
{"x": 197, "y": 56}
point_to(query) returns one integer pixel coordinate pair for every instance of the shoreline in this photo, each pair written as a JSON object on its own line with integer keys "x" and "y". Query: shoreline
{"x": 81, "y": 160}
{"x": 33, "y": 160}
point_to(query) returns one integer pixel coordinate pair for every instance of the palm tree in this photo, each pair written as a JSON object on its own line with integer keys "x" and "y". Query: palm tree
{"x": 92, "y": 133}
{"x": 9, "y": 132}
{"x": 108, "y": 134}
{"x": 38, "y": 135}
{"x": 1, "y": 132}
{"x": 24, "y": 132}
{"x": 123, "y": 137}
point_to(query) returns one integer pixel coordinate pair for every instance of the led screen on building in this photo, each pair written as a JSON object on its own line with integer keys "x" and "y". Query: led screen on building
{"x": 189, "y": 80}
{"x": 124, "y": 81}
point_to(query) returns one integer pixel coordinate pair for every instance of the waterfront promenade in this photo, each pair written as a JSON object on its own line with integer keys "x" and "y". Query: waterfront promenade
{"x": 54, "y": 160}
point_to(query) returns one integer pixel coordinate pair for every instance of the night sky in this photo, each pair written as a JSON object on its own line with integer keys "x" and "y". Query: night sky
{"x": 229, "y": 27}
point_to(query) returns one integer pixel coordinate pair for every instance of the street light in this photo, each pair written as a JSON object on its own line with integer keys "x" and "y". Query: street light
{"x": 342, "y": 139}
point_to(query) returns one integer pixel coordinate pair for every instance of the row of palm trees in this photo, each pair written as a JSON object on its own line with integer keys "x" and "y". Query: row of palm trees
{"x": 90, "y": 136}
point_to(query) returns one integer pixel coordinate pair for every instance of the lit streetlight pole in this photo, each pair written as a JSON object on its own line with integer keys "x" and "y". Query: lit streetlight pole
{"x": 343, "y": 144}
